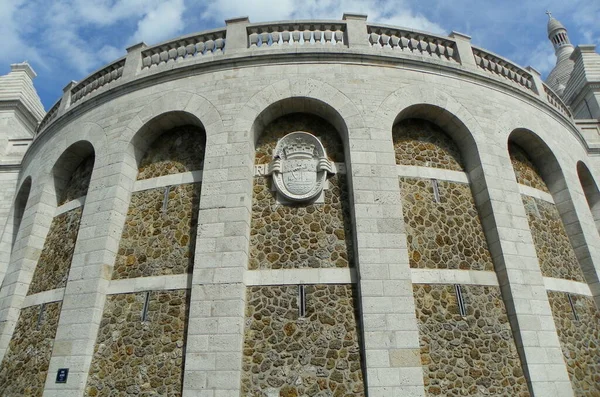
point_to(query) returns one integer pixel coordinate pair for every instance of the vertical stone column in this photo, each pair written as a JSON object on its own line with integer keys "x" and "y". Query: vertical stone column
{"x": 356, "y": 30}
{"x": 236, "y": 38}
{"x": 65, "y": 102}
{"x": 216, "y": 322}
{"x": 511, "y": 244}
{"x": 391, "y": 336}
{"x": 463, "y": 48}
{"x": 538, "y": 84}
{"x": 25, "y": 254}
{"x": 100, "y": 230}
{"x": 133, "y": 62}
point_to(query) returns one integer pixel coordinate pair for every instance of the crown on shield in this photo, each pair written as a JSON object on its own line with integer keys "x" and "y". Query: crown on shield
{"x": 299, "y": 149}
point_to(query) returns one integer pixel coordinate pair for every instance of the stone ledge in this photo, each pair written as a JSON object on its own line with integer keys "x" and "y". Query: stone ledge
{"x": 412, "y": 171}
{"x": 53, "y": 295}
{"x": 445, "y": 276}
{"x": 70, "y": 205}
{"x": 536, "y": 193}
{"x": 155, "y": 283}
{"x": 300, "y": 276}
{"x": 168, "y": 180}
{"x": 569, "y": 286}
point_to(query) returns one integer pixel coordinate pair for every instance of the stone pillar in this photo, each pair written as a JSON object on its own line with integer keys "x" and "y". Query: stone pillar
{"x": 356, "y": 30}
{"x": 133, "y": 61}
{"x": 236, "y": 38}
{"x": 23, "y": 259}
{"x": 100, "y": 230}
{"x": 511, "y": 244}
{"x": 463, "y": 48}
{"x": 65, "y": 102}
{"x": 538, "y": 84}
{"x": 216, "y": 322}
{"x": 391, "y": 336}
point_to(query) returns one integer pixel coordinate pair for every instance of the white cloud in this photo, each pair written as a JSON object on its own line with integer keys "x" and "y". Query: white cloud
{"x": 160, "y": 23}
{"x": 542, "y": 58}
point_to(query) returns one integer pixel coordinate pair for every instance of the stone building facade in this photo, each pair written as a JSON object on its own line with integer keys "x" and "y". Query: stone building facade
{"x": 304, "y": 208}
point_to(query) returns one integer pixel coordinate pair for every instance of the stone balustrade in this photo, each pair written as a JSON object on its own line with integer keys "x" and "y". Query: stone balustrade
{"x": 555, "y": 101}
{"x": 417, "y": 43}
{"x": 97, "y": 80}
{"x": 198, "y": 44}
{"x": 350, "y": 37}
{"x": 296, "y": 33}
{"x": 495, "y": 64}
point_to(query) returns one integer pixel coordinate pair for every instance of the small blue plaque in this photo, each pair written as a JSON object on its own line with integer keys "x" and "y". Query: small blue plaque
{"x": 62, "y": 375}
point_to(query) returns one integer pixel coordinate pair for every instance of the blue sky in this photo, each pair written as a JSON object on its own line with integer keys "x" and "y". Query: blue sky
{"x": 65, "y": 40}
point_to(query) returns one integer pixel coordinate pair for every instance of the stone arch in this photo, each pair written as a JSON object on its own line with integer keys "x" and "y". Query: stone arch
{"x": 73, "y": 170}
{"x": 19, "y": 207}
{"x": 590, "y": 190}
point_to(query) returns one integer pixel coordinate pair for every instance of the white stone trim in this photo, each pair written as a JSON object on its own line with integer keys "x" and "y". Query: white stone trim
{"x": 168, "y": 180}
{"x": 569, "y": 286}
{"x": 450, "y": 276}
{"x": 154, "y": 283}
{"x": 70, "y": 205}
{"x": 413, "y": 171}
{"x": 261, "y": 169}
{"x": 53, "y": 295}
{"x": 536, "y": 193}
{"x": 300, "y": 276}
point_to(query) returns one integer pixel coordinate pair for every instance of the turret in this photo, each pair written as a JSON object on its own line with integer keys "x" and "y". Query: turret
{"x": 557, "y": 34}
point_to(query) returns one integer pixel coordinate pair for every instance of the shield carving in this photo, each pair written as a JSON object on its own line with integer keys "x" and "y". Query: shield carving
{"x": 299, "y": 166}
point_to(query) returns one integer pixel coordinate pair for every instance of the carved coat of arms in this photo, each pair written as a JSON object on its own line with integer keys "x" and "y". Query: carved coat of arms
{"x": 300, "y": 166}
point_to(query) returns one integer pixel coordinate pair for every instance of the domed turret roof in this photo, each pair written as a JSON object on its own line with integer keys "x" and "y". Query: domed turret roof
{"x": 553, "y": 25}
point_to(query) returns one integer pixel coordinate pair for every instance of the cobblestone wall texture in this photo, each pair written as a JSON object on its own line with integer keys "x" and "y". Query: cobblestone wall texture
{"x": 159, "y": 239}
{"x": 284, "y": 125}
{"x": 52, "y": 269}
{"x": 300, "y": 235}
{"x": 435, "y": 231}
{"x": 77, "y": 185}
{"x": 422, "y": 143}
{"x": 178, "y": 150}
{"x": 25, "y": 365}
{"x": 135, "y": 358}
{"x": 554, "y": 250}
{"x": 525, "y": 171}
{"x": 580, "y": 340}
{"x": 473, "y": 355}
{"x": 288, "y": 356}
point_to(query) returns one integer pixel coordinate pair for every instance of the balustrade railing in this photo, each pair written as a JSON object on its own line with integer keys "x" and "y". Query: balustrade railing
{"x": 554, "y": 100}
{"x": 412, "y": 42}
{"x": 106, "y": 75}
{"x": 51, "y": 115}
{"x": 202, "y": 44}
{"x": 494, "y": 64}
{"x": 309, "y": 33}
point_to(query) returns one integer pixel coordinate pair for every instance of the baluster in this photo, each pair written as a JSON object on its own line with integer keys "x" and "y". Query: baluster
{"x": 384, "y": 39}
{"x": 180, "y": 52}
{"x": 394, "y": 41}
{"x": 450, "y": 52}
{"x": 190, "y": 50}
{"x": 275, "y": 38}
{"x": 219, "y": 44}
{"x": 374, "y": 39}
{"x": 306, "y": 36}
{"x": 115, "y": 73}
{"x": 432, "y": 49}
{"x": 155, "y": 59}
{"x": 172, "y": 55}
{"x": 339, "y": 36}
{"x": 285, "y": 36}
{"x": 164, "y": 56}
{"x": 404, "y": 43}
{"x": 146, "y": 62}
{"x": 210, "y": 45}
{"x": 253, "y": 39}
{"x": 441, "y": 50}
{"x": 413, "y": 45}
{"x": 200, "y": 47}
{"x": 422, "y": 46}
{"x": 328, "y": 34}
{"x": 296, "y": 36}
{"x": 318, "y": 35}
{"x": 264, "y": 39}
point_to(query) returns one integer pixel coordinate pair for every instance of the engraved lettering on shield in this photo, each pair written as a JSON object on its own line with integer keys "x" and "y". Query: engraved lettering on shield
{"x": 300, "y": 166}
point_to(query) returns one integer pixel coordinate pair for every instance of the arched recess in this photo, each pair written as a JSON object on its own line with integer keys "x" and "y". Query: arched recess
{"x": 313, "y": 235}
{"x": 71, "y": 175}
{"x": 562, "y": 254}
{"x": 590, "y": 189}
{"x": 438, "y": 159}
{"x": 19, "y": 207}
{"x": 157, "y": 243}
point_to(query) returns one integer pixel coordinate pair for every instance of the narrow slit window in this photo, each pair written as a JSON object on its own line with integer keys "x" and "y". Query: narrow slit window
{"x": 462, "y": 308}
{"x": 40, "y": 319}
{"x": 301, "y": 301}
{"x": 145, "y": 309}
{"x": 575, "y": 316}
{"x": 166, "y": 199}
{"x": 436, "y": 190}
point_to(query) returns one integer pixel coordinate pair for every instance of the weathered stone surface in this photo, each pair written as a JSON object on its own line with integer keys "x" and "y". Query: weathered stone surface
{"x": 525, "y": 171}
{"x": 300, "y": 235}
{"x": 579, "y": 339}
{"x": 52, "y": 269}
{"x": 284, "y": 125}
{"x": 554, "y": 250}
{"x": 77, "y": 185}
{"x": 134, "y": 357}
{"x": 25, "y": 365}
{"x": 436, "y": 231}
{"x": 422, "y": 143}
{"x": 314, "y": 355}
{"x": 178, "y": 150}
{"x": 159, "y": 238}
{"x": 473, "y": 355}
